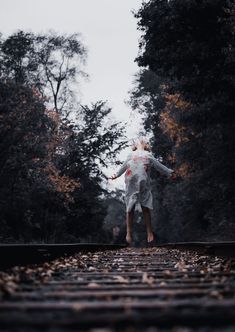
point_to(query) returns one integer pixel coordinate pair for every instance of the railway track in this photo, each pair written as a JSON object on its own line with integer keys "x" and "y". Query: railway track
{"x": 127, "y": 289}
{"x": 22, "y": 254}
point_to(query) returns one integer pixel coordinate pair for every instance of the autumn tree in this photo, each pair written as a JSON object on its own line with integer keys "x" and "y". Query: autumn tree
{"x": 28, "y": 193}
{"x": 51, "y": 175}
{"x": 189, "y": 46}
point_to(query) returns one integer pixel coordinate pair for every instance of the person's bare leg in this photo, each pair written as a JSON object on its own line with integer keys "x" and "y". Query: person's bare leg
{"x": 147, "y": 220}
{"x": 129, "y": 223}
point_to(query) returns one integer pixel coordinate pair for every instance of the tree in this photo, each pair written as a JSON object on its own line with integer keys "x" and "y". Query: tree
{"x": 62, "y": 58}
{"x": 92, "y": 145}
{"x": 18, "y": 58}
{"x": 189, "y": 46}
{"x": 29, "y": 193}
{"x": 51, "y": 173}
{"x": 52, "y": 63}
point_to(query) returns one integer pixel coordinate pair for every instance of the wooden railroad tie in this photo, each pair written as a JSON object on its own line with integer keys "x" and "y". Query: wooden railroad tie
{"x": 126, "y": 289}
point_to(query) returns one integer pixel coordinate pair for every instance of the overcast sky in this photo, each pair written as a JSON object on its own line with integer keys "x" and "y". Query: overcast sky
{"x": 109, "y": 31}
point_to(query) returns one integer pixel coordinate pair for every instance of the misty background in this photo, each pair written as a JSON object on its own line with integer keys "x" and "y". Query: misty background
{"x": 78, "y": 80}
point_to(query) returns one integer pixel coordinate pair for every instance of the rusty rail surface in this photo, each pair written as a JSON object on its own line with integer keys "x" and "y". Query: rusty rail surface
{"x": 21, "y": 254}
{"x": 129, "y": 289}
{"x": 224, "y": 248}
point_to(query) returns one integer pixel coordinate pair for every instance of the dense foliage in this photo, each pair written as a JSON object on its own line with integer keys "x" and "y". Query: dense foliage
{"x": 185, "y": 91}
{"x": 52, "y": 148}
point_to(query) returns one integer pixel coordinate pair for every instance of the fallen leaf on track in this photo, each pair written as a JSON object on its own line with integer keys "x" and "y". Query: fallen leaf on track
{"x": 147, "y": 279}
{"x": 121, "y": 279}
{"x": 93, "y": 285}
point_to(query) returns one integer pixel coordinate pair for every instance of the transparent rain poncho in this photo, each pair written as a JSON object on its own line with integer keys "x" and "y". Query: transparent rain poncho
{"x": 137, "y": 178}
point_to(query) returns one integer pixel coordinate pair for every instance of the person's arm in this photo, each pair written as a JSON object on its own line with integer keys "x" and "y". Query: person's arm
{"x": 122, "y": 169}
{"x": 160, "y": 167}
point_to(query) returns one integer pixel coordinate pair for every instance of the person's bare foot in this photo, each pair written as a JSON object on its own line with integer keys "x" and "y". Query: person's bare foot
{"x": 128, "y": 238}
{"x": 150, "y": 237}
